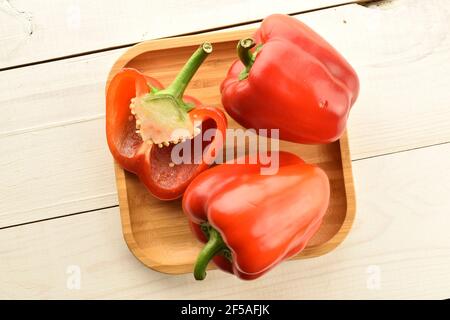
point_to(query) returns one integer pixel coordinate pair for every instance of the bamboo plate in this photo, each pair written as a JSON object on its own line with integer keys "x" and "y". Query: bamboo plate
{"x": 157, "y": 232}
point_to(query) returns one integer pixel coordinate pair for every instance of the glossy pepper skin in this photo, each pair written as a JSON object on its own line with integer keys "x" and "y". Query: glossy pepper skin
{"x": 251, "y": 222}
{"x": 293, "y": 80}
{"x": 148, "y": 161}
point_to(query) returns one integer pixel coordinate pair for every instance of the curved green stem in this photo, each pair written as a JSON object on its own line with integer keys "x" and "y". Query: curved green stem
{"x": 214, "y": 245}
{"x": 244, "y": 53}
{"x": 246, "y": 56}
{"x": 179, "y": 84}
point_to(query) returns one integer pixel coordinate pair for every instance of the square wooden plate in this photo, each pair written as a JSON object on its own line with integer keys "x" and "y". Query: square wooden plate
{"x": 157, "y": 232}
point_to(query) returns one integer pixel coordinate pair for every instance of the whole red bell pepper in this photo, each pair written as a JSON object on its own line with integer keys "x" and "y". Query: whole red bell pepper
{"x": 145, "y": 121}
{"x": 293, "y": 81}
{"x": 251, "y": 222}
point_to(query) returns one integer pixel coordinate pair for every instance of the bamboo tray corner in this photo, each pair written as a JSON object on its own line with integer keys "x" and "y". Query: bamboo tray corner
{"x": 157, "y": 232}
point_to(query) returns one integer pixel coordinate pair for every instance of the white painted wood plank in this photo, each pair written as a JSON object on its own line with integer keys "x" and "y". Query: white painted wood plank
{"x": 34, "y": 31}
{"x": 395, "y": 110}
{"x": 401, "y": 52}
{"x": 54, "y": 94}
{"x": 401, "y": 230}
{"x": 55, "y": 171}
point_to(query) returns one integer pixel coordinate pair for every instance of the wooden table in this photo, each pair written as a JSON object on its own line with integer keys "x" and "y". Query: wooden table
{"x": 60, "y": 233}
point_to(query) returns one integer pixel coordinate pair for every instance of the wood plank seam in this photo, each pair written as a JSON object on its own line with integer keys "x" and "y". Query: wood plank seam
{"x": 58, "y": 217}
{"x": 117, "y": 205}
{"x": 401, "y": 151}
{"x": 51, "y": 125}
{"x": 224, "y": 27}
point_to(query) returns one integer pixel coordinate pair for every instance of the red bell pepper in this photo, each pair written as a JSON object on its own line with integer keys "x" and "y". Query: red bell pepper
{"x": 145, "y": 121}
{"x": 251, "y": 222}
{"x": 293, "y": 81}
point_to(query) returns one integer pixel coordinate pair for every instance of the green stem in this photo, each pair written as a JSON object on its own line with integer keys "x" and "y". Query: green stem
{"x": 214, "y": 245}
{"x": 178, "y": 86}
{"x": 246, "y": 56}
{"x": 244, "y": 53}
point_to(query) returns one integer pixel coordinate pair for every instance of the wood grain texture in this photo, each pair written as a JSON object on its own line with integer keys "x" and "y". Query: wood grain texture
{"x": 389, "y": 116}
{"x": 401, "y": 231}
{"x": 31, "y": 31}
{"x": 157, "y": 232}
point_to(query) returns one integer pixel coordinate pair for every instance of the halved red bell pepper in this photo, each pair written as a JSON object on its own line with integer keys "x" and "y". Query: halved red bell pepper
{"x": 251, "y": 222}
{"x": 145, "y": 121}
{"x": 293, "y": 81}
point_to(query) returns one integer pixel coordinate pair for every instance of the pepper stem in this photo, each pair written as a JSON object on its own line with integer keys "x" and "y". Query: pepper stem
{"x": 243, "y": 50}
{"x": 246, "y": 56}
{"x": 214, "y": 245}
{"x": 178, "y": 86}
